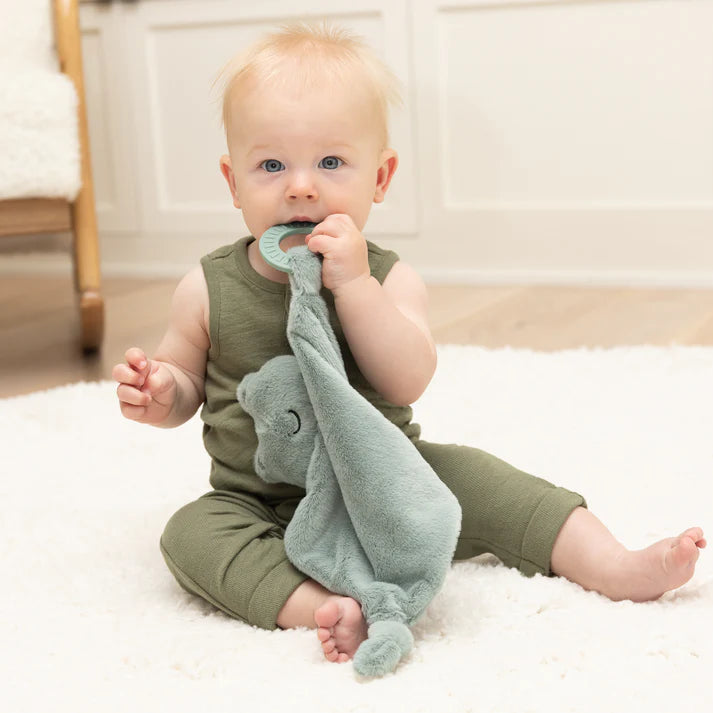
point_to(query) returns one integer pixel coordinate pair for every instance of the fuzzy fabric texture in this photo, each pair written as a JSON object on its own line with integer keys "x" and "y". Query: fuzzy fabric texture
{"x": 91, "y": 619}
{"x": 39, "y": 139}
{"x": 362, "y": 528}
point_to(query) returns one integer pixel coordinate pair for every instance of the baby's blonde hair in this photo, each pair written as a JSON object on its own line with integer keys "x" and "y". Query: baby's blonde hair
{"x": 303, "y": 56}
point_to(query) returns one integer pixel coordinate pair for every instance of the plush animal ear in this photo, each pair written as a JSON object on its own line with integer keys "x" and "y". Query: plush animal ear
{"x": 242, "y": 390}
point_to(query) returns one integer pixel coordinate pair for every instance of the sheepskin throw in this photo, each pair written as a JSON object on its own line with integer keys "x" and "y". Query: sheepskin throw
{"x": 39, "y": 136}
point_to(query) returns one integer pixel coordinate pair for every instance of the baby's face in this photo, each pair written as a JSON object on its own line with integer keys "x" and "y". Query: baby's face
{"x": 297, "y": 157}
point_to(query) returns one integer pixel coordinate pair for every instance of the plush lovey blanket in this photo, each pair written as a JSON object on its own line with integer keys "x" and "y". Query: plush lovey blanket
{"x": 376, "y": 523}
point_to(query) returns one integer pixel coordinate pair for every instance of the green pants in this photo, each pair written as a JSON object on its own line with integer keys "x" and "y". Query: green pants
{"x": 228, "y": 548}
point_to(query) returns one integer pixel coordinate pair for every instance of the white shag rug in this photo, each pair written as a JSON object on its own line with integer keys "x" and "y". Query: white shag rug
{"x": 91, "y": 619}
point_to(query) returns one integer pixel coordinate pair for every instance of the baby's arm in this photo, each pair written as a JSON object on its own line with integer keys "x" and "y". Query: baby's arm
{"x": 387, "y": 329}
{"x": 386, "y": 326}
{"x": 166, "y": 390}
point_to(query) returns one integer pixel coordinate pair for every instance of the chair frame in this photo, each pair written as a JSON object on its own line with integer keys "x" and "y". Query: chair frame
{"x": 52, "y": 215}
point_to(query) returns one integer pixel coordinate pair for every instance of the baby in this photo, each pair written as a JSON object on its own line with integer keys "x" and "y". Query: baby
{"x": 305, "y": 112}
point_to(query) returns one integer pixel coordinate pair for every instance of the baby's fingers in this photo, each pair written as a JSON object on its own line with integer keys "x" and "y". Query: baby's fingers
{"x": 159, "y": 380}
{"x": 124, "y": 374}
{"x": 137, "y": 360}
{"x": 130, "y": 396}
{"x": 133, "y": 413}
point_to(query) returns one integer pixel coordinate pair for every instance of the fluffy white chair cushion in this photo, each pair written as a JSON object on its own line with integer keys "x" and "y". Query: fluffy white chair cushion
{"x": 39, "y": 136}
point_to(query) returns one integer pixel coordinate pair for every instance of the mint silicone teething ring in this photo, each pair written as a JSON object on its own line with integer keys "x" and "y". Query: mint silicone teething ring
{"x": 270, "y": 243}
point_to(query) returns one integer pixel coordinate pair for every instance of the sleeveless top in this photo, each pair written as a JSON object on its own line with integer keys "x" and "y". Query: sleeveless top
{"x": 248, "y": 326}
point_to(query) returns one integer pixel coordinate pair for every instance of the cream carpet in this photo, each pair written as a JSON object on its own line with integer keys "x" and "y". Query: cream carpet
{"x": 91, "y": 620}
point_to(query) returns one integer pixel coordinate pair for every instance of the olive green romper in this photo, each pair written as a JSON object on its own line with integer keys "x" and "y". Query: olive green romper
{"x": 227, "y": 546}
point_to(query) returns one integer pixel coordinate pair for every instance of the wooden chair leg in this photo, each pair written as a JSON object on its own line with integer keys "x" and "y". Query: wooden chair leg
{"x": 87, "y": 274}
{"x": 91, "y": 316}
{"x": 84, "y": 220}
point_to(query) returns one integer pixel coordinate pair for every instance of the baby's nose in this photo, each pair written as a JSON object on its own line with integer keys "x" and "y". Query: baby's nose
{"x": 302, "y": 186}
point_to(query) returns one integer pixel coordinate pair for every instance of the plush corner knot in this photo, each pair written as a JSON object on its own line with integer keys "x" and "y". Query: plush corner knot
{"x": 387, "y": 643}
{"x": 306, "y": 276}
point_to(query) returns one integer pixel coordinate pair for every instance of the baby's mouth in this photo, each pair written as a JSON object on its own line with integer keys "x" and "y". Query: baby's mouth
{"x": 302, "y": 219}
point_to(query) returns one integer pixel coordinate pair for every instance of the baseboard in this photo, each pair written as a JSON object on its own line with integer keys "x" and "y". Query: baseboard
{"x": 576, "y": 278}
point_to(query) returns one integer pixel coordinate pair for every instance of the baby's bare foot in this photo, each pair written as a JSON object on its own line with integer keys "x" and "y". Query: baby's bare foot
{"x": 341, "y": 628}
{"x": 644, "y": 575}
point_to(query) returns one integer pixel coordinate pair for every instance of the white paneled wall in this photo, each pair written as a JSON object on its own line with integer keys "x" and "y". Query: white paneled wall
{"x": 567, "y": 141}
{"x": 560, "y": 141}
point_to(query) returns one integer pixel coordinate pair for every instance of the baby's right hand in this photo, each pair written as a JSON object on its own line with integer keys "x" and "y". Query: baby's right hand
{"x": 147, "y": 389}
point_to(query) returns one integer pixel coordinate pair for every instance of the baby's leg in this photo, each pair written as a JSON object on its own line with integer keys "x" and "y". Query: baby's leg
{"x": 537, "y": 527}
{"x": 507, "y": 512}
{"x": 586, "y": 552}
{"x": 228, "y": 548}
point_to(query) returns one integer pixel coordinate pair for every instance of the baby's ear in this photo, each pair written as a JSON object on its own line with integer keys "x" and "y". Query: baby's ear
{"x": 226, "y": 168}
{"x": 388, "y": 161}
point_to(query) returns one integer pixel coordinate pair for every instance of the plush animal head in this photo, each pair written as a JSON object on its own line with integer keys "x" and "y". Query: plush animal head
{"x": 286, "y": 427}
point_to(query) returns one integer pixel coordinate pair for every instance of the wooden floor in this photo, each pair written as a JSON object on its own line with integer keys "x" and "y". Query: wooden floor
{"x": 39, "y": 323}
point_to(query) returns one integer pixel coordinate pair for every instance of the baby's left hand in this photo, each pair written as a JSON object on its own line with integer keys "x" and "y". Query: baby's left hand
{"x": 346, "y": 256}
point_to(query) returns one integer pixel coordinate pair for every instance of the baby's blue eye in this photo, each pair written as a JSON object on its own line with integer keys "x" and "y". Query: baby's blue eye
{"x": 330, "y": 162}
{"x": 272, "y": 165}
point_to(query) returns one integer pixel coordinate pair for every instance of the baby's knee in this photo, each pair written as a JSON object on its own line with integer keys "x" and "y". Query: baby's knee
{"x": 178, "y": 539}
{"x": 219, "y": 548}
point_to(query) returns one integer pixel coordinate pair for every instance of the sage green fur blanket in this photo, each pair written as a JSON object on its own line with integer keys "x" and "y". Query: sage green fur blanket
{"x": 376, "y": 523}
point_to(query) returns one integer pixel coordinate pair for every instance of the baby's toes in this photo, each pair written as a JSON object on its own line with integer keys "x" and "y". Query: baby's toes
{"x": 323, "y": 634}
{"x": 332, "y": 656}
{"x": 685, "y": 553}
{"x": 695, "y": 533}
